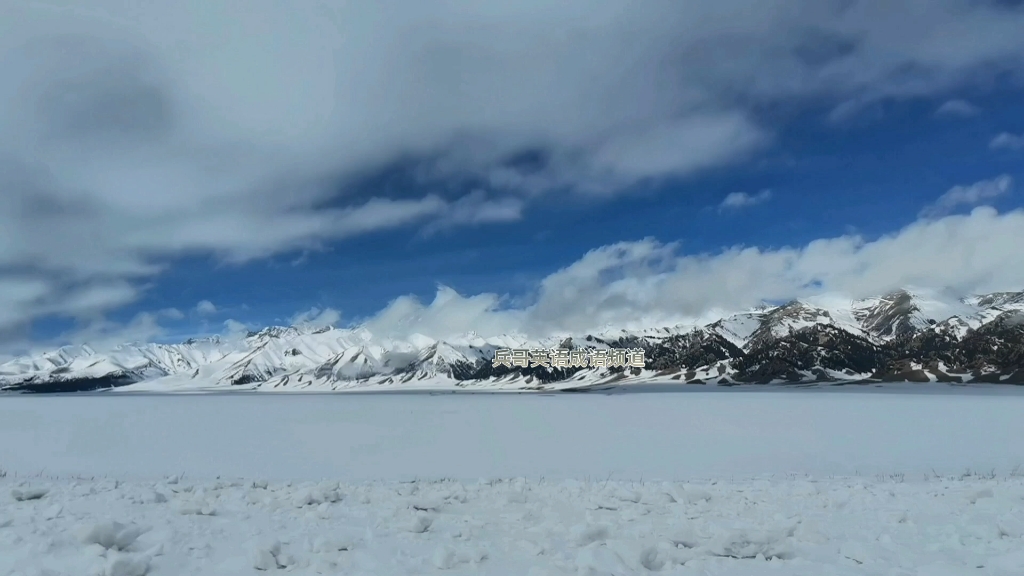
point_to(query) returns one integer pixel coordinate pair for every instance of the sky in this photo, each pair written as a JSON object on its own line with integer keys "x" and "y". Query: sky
{"x": 170, "y": 170}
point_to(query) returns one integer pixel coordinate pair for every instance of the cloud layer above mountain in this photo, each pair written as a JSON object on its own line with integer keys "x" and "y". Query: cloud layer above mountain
{"x": 137, "y": 133}
{"x": 647, "y": 284}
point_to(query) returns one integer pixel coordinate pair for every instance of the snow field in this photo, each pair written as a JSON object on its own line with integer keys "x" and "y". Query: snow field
{"x": 670, "y": 436}
{"x": 725, "y": 483}
{"x": 771, "y": 526}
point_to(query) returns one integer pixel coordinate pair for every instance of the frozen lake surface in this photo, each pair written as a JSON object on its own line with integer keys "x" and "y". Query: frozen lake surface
{"x": 671, "y": 436}
{"x": 709, "y": 483}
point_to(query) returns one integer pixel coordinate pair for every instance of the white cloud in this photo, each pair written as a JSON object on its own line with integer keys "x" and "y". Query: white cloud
{"x": 646, "y": 283}
{"x": 1007, "y": 141}
{"x": 476, "y": 208}
{"x": 103, "y": 334}
{"x": 143, "y": 327}
{"x": 959, "y": 108}
{"x": 137, "y": 133}
{"x": 316, "y": 318}
{"x": 972, "y": 195}
{"x": 235, "y": 329}
{"x": 205, "y": 308}
{"x": 172, "y": 313}
{"x": 851, "y": 109}
{"x": 17, "y": 294}
{"x": 738, "y": 200}
{"x": 23, "y": 297}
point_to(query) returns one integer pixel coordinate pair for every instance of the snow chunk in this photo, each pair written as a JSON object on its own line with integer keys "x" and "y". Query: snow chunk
{"x": 689, "y": 537}
{"x": 286, "y": 560}
{"x": 265, "y": 556}
{"x": 196, "y": 509}
{"x": 22, "y": 495}
{"x": 598, "y": 559}
{"x": 751, "y": 544}
{"x": 263, "y": 559}
{"x": 420, "y": 524}
{"x": 52, "y": 512}
{"x": 979, "y": 495}
{"x": 651, "y": 559}
{"x": 315, "y": 496}
{"x": 692, "y": 495}
{"x": 127, "y": 565}
{"x": 516, "y": 498}
{"x": 324, "y": 544}
{"x": 112, "y": 535}
{"x": 445, "y": 558}
{"x": 154, "y": 497}
{"x": 1010, "y": 527}
{"x": 658, "y": 499}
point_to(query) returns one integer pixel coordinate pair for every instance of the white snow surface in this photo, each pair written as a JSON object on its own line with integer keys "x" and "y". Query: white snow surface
{"x": 767, "y": 526}
{"x": 731, "y": 482}
{"x": 672, "y": 435}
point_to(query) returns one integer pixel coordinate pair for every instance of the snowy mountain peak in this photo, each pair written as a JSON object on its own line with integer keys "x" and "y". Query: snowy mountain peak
{"x": 895, "y": 314}
{"x": 796, "y": 309}
{"x": 201, "y": 341}
{"x": 998, "y": 300}
{"x": 782, "y": 320}
{"x": 820, "y": 337}
{"x": 274, "y": 332}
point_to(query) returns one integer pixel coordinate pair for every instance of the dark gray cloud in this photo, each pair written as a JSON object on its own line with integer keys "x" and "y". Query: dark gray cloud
{"x": 81, "y": 90}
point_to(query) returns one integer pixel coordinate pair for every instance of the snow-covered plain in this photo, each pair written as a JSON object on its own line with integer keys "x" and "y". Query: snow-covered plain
{"x": 783, "y": 482}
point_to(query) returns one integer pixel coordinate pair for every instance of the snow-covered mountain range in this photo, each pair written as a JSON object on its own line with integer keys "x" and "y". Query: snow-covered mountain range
{"x": 905, "y": 335}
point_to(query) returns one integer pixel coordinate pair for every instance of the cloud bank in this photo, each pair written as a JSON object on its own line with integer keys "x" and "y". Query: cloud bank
{"x": 646, "y": 283}
{"x": 137, "y": 133}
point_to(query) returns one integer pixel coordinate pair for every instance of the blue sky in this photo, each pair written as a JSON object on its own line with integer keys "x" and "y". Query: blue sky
{"x": 869, "y": 176}
{"x": 126, "y": 225}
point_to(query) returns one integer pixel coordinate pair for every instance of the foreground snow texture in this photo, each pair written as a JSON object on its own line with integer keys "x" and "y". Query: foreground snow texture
{"x": 808, "y": 483}
{"x": 772, "y": 526}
